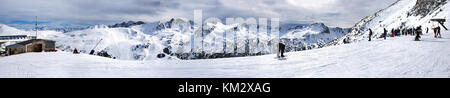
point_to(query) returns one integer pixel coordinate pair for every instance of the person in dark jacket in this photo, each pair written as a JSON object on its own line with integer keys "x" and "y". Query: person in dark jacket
{"x": 370, "y": 34}
{"x": 281, "y": 48}
{"x": 439, "y": 32}
{"x": 385, "y": 33}
{"x": 404, "y": 32}
{"x": 75, "y": 51}
{"x": 435, "y": 31}
{"x": 418, "y": 33}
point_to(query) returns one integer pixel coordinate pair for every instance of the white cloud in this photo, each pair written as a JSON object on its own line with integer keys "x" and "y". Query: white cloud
{"x": 332, "y": 12}
{"x": 313, "y": 4}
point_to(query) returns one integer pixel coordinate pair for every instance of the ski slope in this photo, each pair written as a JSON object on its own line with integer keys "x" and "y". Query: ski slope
{"x": 397, "y": 16}
{"x": 394, "y": 57}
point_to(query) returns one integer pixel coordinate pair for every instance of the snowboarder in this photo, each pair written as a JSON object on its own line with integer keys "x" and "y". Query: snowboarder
{"x": 75, "y": 51}
{"x": 281, "y": 48}
{"x": 370, "y": 34}
{"x": 385, "y": 33}
{"x": 418, "y": 32}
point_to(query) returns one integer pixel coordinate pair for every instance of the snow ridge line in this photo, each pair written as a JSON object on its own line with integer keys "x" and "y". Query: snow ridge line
{"x": 355, "y": 30}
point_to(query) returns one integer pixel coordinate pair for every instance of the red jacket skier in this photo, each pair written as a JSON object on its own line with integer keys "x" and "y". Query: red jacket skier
{"x": 392, "y": 32}
{"x": 435, "y": 31}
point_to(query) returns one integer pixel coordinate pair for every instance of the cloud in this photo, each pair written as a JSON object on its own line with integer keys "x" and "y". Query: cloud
{"x": 332, "y": 12}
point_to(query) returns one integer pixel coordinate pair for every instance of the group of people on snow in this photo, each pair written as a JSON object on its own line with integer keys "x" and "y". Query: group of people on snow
{"x": 406, "y": 31}
{"x": 101, "y": 53}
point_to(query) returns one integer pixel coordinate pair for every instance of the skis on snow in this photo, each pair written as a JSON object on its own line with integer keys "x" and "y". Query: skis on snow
{"x": 281, "y": 57}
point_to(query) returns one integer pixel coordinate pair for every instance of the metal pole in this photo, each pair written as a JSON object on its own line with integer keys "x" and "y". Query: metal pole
{"x": 97, "y": 44}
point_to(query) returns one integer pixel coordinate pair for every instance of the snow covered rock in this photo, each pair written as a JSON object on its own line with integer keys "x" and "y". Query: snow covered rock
{"x": 126, "y": 24}
{"x": 310, "y": 36}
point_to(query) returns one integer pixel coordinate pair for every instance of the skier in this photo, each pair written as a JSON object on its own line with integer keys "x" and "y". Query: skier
{"x": 281, "y": 48}
{"x": 404, "y": 32}
{"x": 439, "y": 32}
{"x": 418, "y": 32}
{"x": 385, "y": 33}
{"x": 370, "y": 34}
{"x": 435, "y": 31}
{"x": 392, "y": 32}
{"x": 75, "y": 51}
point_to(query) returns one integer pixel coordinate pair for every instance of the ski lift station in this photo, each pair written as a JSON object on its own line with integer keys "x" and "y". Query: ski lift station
{"x": 16, "y": 44}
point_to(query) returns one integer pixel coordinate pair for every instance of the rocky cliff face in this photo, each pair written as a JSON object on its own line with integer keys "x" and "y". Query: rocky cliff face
{"x": 425, "y": 7}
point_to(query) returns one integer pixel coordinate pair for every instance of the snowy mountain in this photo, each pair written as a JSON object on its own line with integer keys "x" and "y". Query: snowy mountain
{"x": 6, "y": 30}
{"x": 311, "y": 36}
{"x": 126, "y": 24}
{"x": 143, "y": 41}
{"x": 49, "y": 27}
{"x": 176, "y": 35}
{"x": 403, "y": 14}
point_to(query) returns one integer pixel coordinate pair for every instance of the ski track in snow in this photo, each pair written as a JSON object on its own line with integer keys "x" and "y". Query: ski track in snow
{"x": 394, "y": 57}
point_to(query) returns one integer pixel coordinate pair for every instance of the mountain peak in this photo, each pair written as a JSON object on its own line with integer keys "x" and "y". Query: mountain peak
{"x": 126, "y": 24}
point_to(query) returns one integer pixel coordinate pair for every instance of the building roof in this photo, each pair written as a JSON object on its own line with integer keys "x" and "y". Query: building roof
{"x": 32, "y": 40}
{"x": 13, "y": 35}
{"x": 9, "y": 37}
{"x": 28, "y": 42}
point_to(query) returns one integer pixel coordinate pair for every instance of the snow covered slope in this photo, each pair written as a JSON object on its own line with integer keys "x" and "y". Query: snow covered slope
{"x": 6, "y": 30}
{"x": 398, "y": 57}
{"x": 404, "y": 14}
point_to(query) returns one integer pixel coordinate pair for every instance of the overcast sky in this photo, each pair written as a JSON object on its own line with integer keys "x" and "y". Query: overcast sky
{"x": 342, "y": 13}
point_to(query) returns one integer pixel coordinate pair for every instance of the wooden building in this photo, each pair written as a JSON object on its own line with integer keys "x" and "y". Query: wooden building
{"x": 32, "y": 45}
